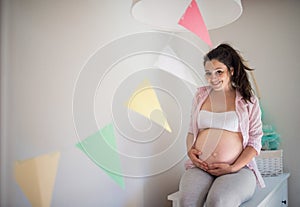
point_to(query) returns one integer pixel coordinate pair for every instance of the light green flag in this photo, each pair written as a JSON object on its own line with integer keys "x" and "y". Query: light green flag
{"x": 101, "y": 149}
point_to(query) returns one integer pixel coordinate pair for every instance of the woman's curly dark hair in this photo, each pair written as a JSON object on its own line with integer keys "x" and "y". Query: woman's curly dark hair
{"x": 232, "y": 59}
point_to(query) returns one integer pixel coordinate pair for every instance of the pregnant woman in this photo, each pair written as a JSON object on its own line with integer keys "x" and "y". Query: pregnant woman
{"x": 224, "y": 136}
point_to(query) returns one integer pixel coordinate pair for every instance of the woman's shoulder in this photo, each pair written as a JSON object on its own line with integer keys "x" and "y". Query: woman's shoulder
{"x": 253, "y": 99}
{"x": 252, "y": 105}
{"x": 200, "y": 94}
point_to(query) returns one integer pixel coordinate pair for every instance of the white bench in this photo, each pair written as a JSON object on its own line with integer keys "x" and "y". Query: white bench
{"x": 275, "y": 194}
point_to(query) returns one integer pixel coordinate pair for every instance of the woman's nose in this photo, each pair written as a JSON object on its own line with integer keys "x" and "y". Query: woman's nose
{"x": 214, "y": 76}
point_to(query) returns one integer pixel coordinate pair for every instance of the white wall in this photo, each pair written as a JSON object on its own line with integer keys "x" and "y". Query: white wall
{"x": 45, "y": 49}
{"x": 268, "y": 35}
{"x": 44, "y": 46}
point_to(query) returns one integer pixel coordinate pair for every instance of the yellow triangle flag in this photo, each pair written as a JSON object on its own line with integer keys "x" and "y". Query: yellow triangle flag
{"x": 36, "y": 178}
{"x": 145, "y": 102}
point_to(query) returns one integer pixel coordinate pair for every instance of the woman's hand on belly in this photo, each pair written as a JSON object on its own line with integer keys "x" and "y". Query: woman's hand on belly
{"x": 218, "y": 169}
{"x": 193, "y": 155}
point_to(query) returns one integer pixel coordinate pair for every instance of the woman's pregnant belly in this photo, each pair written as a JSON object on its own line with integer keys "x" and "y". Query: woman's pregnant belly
{"x": 219, "y": 145}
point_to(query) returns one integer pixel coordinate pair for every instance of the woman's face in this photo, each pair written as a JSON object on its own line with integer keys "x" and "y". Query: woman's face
{"x": 217, "y": 75}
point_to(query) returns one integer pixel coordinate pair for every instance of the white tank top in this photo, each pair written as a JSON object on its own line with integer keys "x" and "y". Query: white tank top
{"x": 219, "y": 120}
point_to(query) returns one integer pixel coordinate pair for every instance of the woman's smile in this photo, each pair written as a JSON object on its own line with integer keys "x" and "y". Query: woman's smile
{"x": 217, "y": 75}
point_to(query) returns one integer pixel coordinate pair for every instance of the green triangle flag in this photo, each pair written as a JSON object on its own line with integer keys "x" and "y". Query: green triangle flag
{"x": 101, "y": 149}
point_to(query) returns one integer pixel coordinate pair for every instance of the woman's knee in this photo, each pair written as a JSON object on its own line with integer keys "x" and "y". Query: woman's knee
{"x": 193, "y": 187}
{"x": 222, "y": 199}
{"x": 189, "y": 200}
{"x": 232, "y": 189}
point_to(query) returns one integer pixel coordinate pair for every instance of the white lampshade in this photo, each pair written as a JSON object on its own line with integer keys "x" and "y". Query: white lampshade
{"x": 165, "y": 14}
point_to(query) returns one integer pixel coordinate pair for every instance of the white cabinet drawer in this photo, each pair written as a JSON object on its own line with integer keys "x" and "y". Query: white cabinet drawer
{"x": 275, "y": 194}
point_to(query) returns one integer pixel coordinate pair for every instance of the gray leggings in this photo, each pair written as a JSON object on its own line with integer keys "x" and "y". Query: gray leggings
{"x": 198, "y": 187}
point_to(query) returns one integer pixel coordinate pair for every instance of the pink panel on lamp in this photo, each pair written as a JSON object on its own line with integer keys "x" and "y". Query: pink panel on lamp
{"x": 193, "y": 21}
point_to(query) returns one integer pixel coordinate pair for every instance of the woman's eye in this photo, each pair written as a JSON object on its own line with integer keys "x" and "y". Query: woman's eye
{"x": 219, "y": 72}
{"x": 208, "y": 74}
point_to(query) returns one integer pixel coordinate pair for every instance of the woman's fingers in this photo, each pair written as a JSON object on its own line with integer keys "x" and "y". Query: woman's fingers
{"x": 194, "y": 156}
{"x": 218, "y": 169}
{"x": 203, "y": 166}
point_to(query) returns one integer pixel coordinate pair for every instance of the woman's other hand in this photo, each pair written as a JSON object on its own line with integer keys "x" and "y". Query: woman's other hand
{"x": 218, "y": 169}
{"x": 193, "y": 155}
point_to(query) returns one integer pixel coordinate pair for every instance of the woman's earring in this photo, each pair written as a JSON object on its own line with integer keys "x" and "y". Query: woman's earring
{"x": 233, "y": 84}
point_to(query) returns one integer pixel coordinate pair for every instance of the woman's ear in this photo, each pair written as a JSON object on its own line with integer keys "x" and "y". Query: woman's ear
{"x": 231, "y": 71}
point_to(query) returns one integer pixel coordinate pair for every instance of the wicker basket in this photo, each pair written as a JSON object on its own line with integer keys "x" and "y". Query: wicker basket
{"x": 269, "y": 163}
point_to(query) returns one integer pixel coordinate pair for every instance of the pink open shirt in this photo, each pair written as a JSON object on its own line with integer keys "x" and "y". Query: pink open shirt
{"x": 249, "y": 115}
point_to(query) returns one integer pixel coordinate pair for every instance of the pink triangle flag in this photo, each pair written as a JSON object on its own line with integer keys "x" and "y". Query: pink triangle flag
{"x": 193, "y": 21}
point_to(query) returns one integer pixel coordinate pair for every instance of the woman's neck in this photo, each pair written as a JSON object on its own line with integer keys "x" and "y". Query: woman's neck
{"x": 227, "y": 92}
